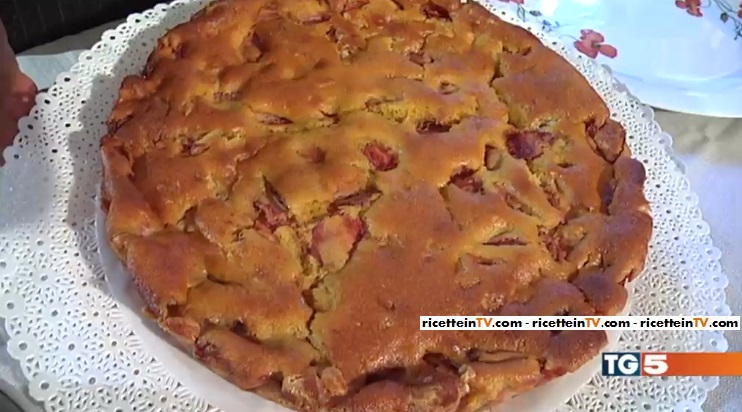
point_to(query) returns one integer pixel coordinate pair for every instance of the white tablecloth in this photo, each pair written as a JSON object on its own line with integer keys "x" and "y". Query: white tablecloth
{"x": 711, "y": 149}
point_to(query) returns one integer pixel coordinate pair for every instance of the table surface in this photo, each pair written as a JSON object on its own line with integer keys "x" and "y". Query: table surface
{"x": 710, "y": 148}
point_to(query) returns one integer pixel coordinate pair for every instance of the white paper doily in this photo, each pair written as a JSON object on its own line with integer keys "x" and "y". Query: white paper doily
{"x": 80, "y": 354}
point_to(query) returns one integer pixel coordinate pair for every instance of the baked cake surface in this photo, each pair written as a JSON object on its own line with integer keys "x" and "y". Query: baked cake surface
{"x": 291, "y": 184}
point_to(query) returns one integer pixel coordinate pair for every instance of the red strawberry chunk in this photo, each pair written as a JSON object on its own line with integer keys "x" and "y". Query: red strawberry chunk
{"x": 334, "y": 238}
{"x": 382, "y": 157}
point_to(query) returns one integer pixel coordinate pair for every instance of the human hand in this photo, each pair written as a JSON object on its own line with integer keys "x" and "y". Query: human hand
{"x": 17, "y": 93}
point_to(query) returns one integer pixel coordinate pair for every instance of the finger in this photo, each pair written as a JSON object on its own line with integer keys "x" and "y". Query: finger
{"x": 8, "y": 132}
{"x": 19, "y": 106}
{"x": 23, "y": 85}
{"x": 22, "y": 94}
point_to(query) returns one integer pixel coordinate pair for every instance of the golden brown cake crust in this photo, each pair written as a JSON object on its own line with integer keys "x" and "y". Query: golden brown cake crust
{"x": 291, "y": 184}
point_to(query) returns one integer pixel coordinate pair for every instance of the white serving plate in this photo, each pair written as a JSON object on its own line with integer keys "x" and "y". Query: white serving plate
{"x": 683, "y": 56}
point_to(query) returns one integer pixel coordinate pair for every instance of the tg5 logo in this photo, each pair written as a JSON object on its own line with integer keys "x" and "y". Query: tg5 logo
{"x": 634, "y": 364}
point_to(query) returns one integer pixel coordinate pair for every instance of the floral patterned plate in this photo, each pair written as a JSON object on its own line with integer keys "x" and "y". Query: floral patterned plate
{"x": 684, "y": 56}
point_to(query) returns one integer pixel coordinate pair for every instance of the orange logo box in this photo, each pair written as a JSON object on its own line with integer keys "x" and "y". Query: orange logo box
{"x": 700, "y": 364}
{"x": 671, "y": 364}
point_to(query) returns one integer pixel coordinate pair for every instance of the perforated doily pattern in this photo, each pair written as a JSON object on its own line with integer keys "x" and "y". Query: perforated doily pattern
{"x": 80, "y": 355}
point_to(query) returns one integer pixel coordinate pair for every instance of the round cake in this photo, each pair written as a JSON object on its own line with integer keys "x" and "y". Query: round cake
{"x": 292, "y": 184}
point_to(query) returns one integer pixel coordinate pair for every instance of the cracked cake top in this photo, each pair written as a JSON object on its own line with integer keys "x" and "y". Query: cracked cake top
{"x": 292, "y": 184}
